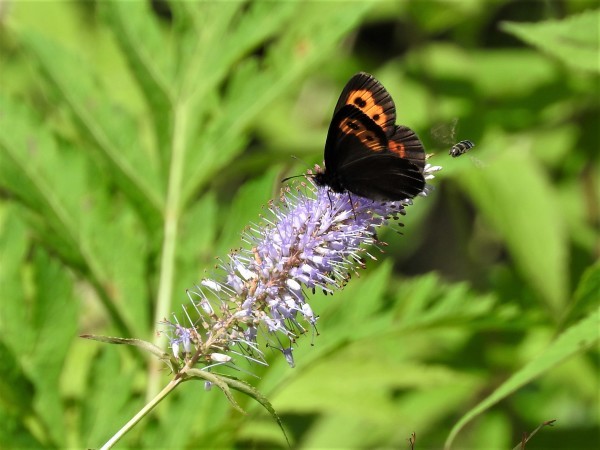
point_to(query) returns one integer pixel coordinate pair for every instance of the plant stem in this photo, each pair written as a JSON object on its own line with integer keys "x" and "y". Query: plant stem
{"x": 172, "y": 215}
{"x": 145, "y": 410}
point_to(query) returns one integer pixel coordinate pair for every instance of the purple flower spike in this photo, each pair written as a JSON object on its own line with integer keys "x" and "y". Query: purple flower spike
{"x": 312, "y": 239}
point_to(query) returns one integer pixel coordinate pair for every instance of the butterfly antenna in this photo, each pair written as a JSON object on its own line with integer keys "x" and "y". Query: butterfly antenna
{"x": 301, "y": 160}
{"x": 305, "y": 175}
{"x": 294, "y": 176}
{"x": 298, "y": 176}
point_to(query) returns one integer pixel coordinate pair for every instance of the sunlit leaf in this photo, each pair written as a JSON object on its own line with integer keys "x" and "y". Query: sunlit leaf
{"x": 576, "y": 339}
{"x": 109, "y": 130}
{"x": 573, "y": 40}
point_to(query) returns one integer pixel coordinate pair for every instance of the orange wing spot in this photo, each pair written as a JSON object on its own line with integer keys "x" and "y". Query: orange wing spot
{"x": 398, "y": 148}
{"x": 371, "y": 141}
{"x": 363, "y": 99}
{"x": 351, "y": 126}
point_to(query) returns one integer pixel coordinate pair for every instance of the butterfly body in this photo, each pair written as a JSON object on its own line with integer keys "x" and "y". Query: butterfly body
{"x": 366, "y": 153}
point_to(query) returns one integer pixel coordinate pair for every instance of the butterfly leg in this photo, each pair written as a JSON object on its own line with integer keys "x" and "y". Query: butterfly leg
{"x": 351, "y": 204}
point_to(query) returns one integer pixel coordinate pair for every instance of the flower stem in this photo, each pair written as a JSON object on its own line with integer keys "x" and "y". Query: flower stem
{"x": 172, "y": 215}
{"x": 141, "y": 414}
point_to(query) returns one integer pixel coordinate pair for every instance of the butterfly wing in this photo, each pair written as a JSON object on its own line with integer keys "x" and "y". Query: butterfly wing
{"x": 386, "y": 178}
{"x": 358, "y": 157}
{"x": 406, "y": 144}
{"x": 368, "y": 95}
{"x": 352, "y": 136}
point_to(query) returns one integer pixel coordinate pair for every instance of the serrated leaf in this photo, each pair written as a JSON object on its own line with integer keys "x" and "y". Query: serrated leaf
{"x": 226, "y": 35}
{"x": 576, "y": 339}
{"x": 38, "y": 323}
{"x": 117, "y": 251}
{"x": 13, "y": 252}
{"x": 245, "y": 209}
{"x": 54, "y": 319}
{"x": 573, "y": 40}
{"x": 366, "y": 296}
{"x": 145, "y": 49}
{"x": 310, "y": 37}
{"x": 30, "y": 169}
{"x": 109, "y": 400}
{"x": 71, "y": 212}
{"x": 426, "y": 302}
{"x": 110, "y": 130}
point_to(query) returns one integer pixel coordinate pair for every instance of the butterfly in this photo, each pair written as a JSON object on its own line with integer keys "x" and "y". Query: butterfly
{"x": 460, "y": 148}
{"x": 366, "y": 153}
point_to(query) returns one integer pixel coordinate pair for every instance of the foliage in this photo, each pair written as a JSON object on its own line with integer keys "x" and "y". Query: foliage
{"x": 138, "y": 139}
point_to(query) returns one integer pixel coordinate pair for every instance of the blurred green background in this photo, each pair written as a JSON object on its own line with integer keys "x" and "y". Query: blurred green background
{"x": 137, "y": 139}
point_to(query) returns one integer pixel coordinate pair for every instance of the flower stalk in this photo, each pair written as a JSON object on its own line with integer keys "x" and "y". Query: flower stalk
{"x": 312, "y": 239}
{"x": 141, "y": 414}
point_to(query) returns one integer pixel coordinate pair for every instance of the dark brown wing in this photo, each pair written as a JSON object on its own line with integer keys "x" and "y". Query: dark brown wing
{"x": 384, "y": 178}
{"x": 358, "y": 159}
{"x": 406, "y": 144}
{"x": 364, "y": 92}
{"x": 351, "y": 125}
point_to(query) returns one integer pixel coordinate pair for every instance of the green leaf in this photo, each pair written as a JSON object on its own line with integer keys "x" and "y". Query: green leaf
{"x": 13, "y": 254}
{"x": 198, "y": 231}
{"x": 146, "y": 50}
{"x": 117, "y": 250}
{"x": 251, "y": 391}
{"x": 310, "y": 37}
{"x": 245, "y": 209}
{"x": 226, "y": 36}
{"x": 360, "y": 300}
{"x": 515, "y": 196}
{"x": 573, "y": 40}
{"x": 510, "y": 73}
{"x": 15, "y": 433}
{"x": 224, "y": 382}
{"x": 109, "y": 399}
{"x": 576, "y": 339}
{"x": 38, "y": 324}
{"x": 72, "y": 213}
{"x": 16, "y": 390}
{"x": 31, "y": 168}
{"x": 587, "y": 294}
{"x": 426, "y": 302}
{"x": 109, "y": 129}
{"x": 54, "y": 321}
{"x": 219, "y": 381}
